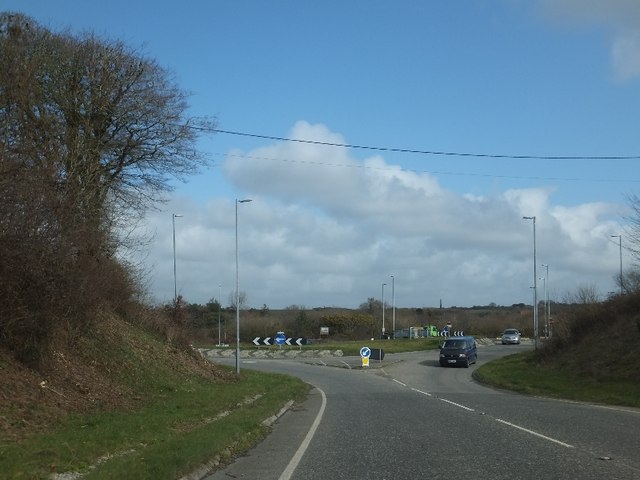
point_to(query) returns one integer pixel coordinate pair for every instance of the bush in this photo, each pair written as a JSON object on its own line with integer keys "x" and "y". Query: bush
{"x": 598, "y": 340}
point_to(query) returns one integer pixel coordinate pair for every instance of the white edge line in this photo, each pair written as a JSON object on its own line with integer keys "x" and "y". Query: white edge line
{"x": 295, "y": 460}
{"x": 420, "y": 391}
{"x": 535, "y": 433}
{"x": 398, "y": 381}
{"x": 348, "y": 366}
{"x": 457, "y": 404}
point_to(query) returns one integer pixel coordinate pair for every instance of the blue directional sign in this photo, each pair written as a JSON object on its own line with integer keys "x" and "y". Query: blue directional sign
{"x": 365, "y": 352}
{"x": 280, "y": 338}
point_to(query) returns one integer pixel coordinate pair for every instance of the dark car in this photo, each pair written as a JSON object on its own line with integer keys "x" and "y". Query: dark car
{"x": 457, "y": 351}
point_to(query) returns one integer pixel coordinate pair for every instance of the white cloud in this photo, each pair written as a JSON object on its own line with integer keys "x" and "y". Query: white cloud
{"x": 626, "y": 55}
{"x": 621, "y": 17}
{"x": 326, "y": 228}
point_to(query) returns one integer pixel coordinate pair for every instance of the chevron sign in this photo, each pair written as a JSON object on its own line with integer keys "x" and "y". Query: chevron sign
{"x": 268, "y": 341}
{"x": 456, "y": 333}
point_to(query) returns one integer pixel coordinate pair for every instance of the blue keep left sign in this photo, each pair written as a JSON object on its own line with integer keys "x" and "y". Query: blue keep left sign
{"x": 365, "y": 352}
{"x": 280, "y": 338}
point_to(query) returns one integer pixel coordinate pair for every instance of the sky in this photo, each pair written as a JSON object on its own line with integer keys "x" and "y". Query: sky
{"x": 458, "y": 107}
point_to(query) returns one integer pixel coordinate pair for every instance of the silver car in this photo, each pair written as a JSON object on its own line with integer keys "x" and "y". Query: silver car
{"x": 511, "y": 335}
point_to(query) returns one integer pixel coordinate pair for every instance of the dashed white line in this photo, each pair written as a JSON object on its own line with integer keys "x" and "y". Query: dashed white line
{"x": 420, "y": 391}
{"x": 535, "y": 433}
{"x": 457, "y": 405}
{"x": 531, "y": 432}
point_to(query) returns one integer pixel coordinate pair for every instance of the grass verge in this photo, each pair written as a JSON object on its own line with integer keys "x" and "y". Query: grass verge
{"x": 521, "y": 373}
{"x": 170, "y": 436}
{"x": 124, "y": 404}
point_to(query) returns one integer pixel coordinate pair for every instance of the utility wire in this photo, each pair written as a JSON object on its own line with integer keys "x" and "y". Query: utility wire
{"x": 425, "y": 152}
{"x": 430, "y": 172}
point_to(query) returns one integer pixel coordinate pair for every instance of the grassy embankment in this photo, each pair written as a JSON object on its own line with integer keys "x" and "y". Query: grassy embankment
{"x": 521, "y": 373}
{"x": 593, "y": 358}
{"x": 164, "y": 413}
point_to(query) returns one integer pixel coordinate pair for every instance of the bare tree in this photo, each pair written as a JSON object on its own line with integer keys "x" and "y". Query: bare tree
{"x": 90, "y": 134}
{"x": 371, "y": 305}
{"x": 630, "y": 281}
{"x": 584, "y": 295}
{"x": 242, "y": 300}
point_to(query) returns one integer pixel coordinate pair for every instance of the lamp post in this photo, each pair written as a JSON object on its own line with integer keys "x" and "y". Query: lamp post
{"x": 393, "y": 305}
{"x": 535, "y": 285}
{"x": 619, "y": 237}
{"x": 175, "y": 280}
{"x": 383, "y": 309}
{"x": 219, "y": 308}
{"x": 547, "y": 311}
{"x": 238, "y": 292}
{"x": 544, "y": 289}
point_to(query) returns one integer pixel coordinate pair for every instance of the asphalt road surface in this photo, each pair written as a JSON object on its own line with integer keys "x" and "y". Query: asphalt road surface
{"x": 408, "y": 418}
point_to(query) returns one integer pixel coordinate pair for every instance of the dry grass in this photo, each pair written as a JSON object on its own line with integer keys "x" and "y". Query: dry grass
{"x": 99, "y": 372}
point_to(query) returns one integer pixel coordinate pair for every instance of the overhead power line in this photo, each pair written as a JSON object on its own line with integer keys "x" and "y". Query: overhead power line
{"x": 429, "y": 152}
{"x": 430, "y": 172}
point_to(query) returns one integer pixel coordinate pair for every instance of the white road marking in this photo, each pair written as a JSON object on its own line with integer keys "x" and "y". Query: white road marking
{"x": 420, "y": 391}
{"x": 499, "y": 420}
{"x": 295, "y": 460}
{"x": 457, "y": 405}
{"x": 535, "y": 433}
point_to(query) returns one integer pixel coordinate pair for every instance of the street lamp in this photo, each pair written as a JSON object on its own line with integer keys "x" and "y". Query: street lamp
{"x": 383, "y": 309}
{"x": 238, "y": 292}
{"x": 535, "y": 285}
{"x": 393, "y": 305}
{"x": 544, "y": 289}
{"x": 219, "y": 308}
{"x": 547, "y": 311}
{"x": 175, "y": 281}
{"x": 619, "y": 237}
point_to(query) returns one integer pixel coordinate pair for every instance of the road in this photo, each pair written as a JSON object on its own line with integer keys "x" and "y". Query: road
{"x": 408, "y": 418}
